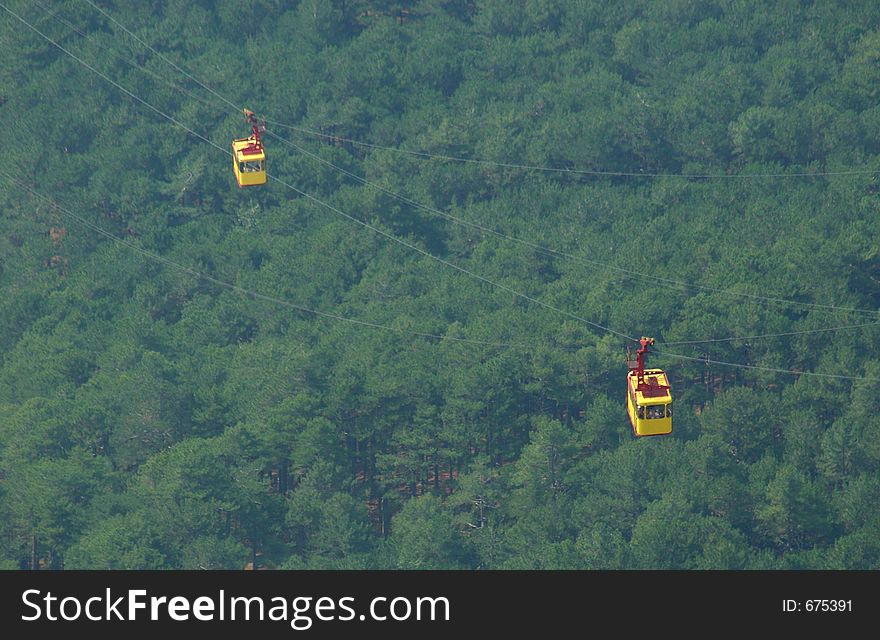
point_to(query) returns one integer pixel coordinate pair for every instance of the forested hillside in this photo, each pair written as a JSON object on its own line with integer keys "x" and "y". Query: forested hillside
{"x": 406, "y": 350}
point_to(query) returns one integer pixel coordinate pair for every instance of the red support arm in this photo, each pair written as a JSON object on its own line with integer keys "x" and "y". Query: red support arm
{"x": 256, "y": 128}
{"x": 638, "y": 365}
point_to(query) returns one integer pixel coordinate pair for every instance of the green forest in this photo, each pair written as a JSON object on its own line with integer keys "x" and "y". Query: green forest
{"x": 406, "y": 351}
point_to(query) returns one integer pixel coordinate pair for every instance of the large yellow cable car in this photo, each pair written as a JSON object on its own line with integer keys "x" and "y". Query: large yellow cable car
{"x": 249, "y": 156}
{"x": 648, "y": 397}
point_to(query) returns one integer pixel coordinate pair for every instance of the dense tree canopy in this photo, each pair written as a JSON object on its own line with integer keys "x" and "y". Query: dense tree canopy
{"x": 700, "y": 170}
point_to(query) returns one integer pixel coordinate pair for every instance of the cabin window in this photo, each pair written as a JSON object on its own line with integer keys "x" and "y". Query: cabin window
{"x": 640, "y": 411}
{"x": 250, "y": 167}
{"x": 669, "y": 410}
{"x": 656, "y": 411}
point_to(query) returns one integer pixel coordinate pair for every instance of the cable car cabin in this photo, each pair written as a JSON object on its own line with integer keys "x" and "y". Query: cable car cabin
{"x": 248, "y": 155}
{"x": 649, "y": 407}
{"x": 648, "y": 397}
{"x": 248, "y": 162}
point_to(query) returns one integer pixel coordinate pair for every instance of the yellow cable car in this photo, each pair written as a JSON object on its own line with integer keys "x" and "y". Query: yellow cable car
{"x": 649, "y": 397}
{"x": 249, "y": 156}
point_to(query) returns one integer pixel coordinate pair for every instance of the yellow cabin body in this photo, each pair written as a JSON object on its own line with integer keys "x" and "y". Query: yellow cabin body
{"x": 650, "y": 413}
{"x": 248, "y": 162}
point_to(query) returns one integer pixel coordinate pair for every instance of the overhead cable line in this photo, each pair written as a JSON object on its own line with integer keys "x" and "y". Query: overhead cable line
{"x": 395, "y": 239}
{"x": 320, "y": 202}
{"x": 668, "y": 282}
{"x": 508, "y": 165}
{"x": 239, "y": 289}
{"x": 156, "y": 76}
{"x": 586, "y": 172}
{"x": 163, "y": 56}
{"x": 709, "y": 361}
{"x": 772, "y": 335}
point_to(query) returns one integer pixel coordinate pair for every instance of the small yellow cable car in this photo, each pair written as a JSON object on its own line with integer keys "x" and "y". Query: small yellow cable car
{"x": 249, "y": 156}
{"x": 649, "y": 397}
